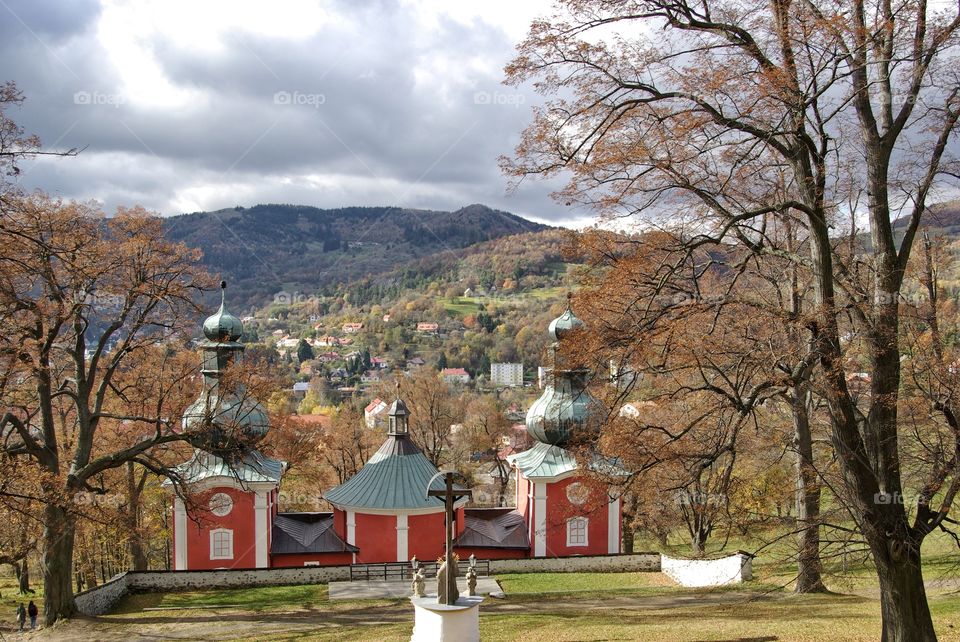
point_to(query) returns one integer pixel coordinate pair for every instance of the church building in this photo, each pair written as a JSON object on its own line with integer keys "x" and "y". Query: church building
{"x": 383, "y": 513}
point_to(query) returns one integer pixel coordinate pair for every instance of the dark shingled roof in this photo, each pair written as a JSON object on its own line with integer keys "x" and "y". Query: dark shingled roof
{"x": 307, "y": 533}
{"x": 493, "y": 528}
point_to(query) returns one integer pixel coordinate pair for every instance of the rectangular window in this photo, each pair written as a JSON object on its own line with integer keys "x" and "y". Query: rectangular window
{"x": 221, "y": 544}
{"x": 577, "y": 531}
{"x": 311, "y": 563}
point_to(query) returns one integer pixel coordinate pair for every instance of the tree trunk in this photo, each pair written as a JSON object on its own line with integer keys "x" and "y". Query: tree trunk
{"x": 627, "y": 539}
{"x": 810, "y": 568}
{"x": 903, "y": 598}
{"x": 23, "y": 577}
{"x": 135, "y": 542}
{"x": 58, "y": 536}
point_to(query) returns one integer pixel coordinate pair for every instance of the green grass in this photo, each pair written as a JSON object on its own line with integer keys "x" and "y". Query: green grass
{"x": 784, "y": 618}
{"x": 9, "y": 597}
{"x": 257, "y": 599}
{"x": 593, "y": 583}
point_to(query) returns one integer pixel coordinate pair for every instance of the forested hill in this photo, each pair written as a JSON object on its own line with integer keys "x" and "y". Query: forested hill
{"x": 265, "y": 249}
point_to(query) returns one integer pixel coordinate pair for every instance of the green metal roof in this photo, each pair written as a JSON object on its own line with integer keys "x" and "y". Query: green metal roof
{"x": 254, "y": 467}
{"x": 544, "y": 460}
{"x": 395, "y": 478}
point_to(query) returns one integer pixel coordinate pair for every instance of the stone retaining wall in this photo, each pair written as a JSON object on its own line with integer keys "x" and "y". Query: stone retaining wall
{"x": 100, "y": 600}
{"x": 734, "y": 569}
{"x": 585, "y": 564}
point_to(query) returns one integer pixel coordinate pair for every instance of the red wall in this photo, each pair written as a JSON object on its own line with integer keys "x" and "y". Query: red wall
{"x": 287, "y": 560}
{"x": 426, "y": 535}
{"x": 376, "y": 538}
{"x": 240, "y": 520}
{"x": 560, "y": 509}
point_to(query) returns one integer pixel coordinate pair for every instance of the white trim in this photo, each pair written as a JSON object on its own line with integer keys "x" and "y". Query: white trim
{"x": 179, "y": 535}
{"x": 540, "y": 517}
{"x": 586, "y": 531}
{"x": 613, "y": 526}
{"x": 403, "y": 551}
{"x": 213, "y": 534}
{"x": 351, "y": 528}
{"x": 261, "y": 516}
{"x": 223, "y": 481}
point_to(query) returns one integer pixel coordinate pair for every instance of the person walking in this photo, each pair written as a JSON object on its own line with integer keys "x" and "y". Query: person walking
{"x": 32, "y": 612}
{"x": 21, "y": 615}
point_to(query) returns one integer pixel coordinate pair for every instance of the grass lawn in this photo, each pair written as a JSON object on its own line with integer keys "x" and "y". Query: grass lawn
{"x": 264, "y": 598}
{"x": 515, "y": 584}
{"x": 561, "y": 607}
{"x": 9, "y": 597}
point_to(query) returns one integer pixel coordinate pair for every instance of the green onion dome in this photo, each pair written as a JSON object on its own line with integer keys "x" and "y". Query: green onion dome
{"x": 565, "y": 405}
{"x": 223, "y": 326}
{"x": 227, "y": 419}
{"x": 563, "y": 325}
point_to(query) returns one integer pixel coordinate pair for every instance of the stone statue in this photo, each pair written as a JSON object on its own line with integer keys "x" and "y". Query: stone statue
{"x": 418, "y": 584}
{"x": 442, "y": 597}
{"x": 471, "y": 582}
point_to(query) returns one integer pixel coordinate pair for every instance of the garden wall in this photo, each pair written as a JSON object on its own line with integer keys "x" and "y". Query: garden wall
{"x": 726, "y": 570}
{"x": 100, "y": 600}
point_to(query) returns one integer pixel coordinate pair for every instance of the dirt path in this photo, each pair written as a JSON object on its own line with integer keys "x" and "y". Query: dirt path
{"x": 232, "y": 624}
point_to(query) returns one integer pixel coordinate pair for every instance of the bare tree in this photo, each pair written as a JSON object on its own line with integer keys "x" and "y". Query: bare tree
{"x": 702, "y": 110}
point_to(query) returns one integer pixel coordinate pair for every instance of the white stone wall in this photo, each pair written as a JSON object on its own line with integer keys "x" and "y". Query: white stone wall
{"x": 101, "y": 599}
{"x": 727, "y": 570}
{"x": 147, "y": 581}
{"x": 584, "y": 564}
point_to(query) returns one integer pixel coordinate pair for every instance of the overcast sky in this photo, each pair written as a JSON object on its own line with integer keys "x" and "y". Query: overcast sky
{"x": 201, "y": 104}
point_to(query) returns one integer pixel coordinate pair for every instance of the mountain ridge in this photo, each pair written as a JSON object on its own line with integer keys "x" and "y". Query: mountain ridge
{"x": 268, "y": 248}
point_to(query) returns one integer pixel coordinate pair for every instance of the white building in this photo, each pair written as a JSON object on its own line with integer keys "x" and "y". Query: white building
{"x": 506, "y": 374}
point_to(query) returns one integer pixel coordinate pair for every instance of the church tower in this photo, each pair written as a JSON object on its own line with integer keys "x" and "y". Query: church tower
{"x": 232, "y": 485}
{"x": 566, "y": 512}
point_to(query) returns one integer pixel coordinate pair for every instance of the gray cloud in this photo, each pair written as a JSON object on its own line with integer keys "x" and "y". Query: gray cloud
{"x": 375, "y": 108}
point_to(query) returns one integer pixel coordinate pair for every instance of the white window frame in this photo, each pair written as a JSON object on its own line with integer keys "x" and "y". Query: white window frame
{"x": 311, "y": 563}
{"x": 213, "y": 544}
{"x": 574, "y": 522}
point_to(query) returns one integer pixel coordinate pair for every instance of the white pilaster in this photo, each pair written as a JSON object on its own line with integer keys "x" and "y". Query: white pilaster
{"x": 540, "y": 517}
{"x": 402, "y": 541}
{"x": 179, "y": 535}
{"x": 261, "y": 522}
{"x": 351, "y": 528}
{"x": 613, "y": 525}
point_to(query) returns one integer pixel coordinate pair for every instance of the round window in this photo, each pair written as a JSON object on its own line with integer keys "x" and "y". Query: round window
{"x": 221, "y": 504}
{"x": 577, "y": 493}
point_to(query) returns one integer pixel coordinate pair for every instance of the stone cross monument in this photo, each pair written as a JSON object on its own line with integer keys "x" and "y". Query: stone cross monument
{"x": 447, "y": 574}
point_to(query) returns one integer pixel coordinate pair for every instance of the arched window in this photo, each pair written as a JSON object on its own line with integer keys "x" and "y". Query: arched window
{"x": 577, "y": 529}
{"x": 221, "y": 544}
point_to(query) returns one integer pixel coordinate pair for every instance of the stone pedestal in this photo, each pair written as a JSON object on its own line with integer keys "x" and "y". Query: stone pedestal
{"x": 434, "y": 622}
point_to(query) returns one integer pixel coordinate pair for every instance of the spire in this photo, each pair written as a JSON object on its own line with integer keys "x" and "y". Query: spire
{"x": 397, "y": 416}
{"x": 223, "y": 327}
{"x": 565, "y": 405}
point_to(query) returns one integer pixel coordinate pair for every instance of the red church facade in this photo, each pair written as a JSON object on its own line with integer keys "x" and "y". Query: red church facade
{"x": 383, "y": 513}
